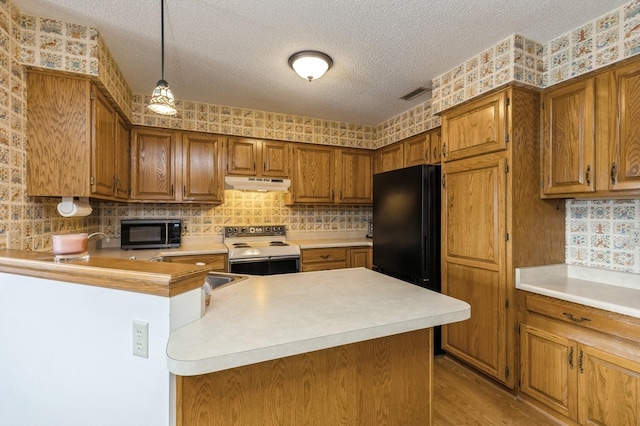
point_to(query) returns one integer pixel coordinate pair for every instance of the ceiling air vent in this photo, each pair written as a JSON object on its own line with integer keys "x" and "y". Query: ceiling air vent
{"x": 414, "y": 94}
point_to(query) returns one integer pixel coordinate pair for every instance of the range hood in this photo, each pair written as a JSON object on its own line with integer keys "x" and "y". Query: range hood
{"x": 256, "y": 184}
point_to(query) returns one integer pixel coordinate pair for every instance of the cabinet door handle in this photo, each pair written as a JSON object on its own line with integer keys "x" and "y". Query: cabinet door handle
{"x": 184, "y": 191}
{"x": 588, "y": 175}
{"x": 613, "y": 173}
{"x": 574, "y": 318}
{"x": 444, "y": 150}
{"x": 580, "y": 369}
{"x": 570, "y": 357}
{"x": 435, "y": 153}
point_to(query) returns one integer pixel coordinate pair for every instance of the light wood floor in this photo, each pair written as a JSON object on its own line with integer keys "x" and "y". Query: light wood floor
{"x": 462, "y": 397}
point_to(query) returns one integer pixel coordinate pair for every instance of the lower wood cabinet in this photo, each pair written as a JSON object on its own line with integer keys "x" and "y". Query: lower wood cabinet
{"x": 322, "y": 259}
{"x": 217, "y": 261}
{"x": 580, "y": 363}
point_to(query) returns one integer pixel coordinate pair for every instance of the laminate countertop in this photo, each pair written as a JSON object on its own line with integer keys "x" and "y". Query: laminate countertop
{"x": 270, "y": 317}
{"x": 612, "y": 291}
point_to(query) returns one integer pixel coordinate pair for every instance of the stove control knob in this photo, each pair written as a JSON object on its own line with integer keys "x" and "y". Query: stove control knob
{"x": 267, "y": 229}
{"x": 243, "y": 230}
{"x": 259, "y": 230}
{"x": 252, "y": 230}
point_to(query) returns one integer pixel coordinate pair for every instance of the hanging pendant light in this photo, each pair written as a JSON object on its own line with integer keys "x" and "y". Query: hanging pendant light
{"x": 310, "y": 64}
{"x": 162, "y": 101}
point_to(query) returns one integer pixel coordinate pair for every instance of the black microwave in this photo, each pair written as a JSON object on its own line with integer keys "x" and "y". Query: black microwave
{"x": 150, "y": 233}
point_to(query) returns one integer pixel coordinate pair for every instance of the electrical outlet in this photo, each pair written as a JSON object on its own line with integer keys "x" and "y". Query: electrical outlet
{"x": 13, "y": 240}
{"x": 141, "y": 339}
{"x": 634, "y": 237}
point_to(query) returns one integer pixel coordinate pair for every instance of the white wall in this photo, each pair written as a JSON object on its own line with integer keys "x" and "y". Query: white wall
{"x": 66, "y": 355}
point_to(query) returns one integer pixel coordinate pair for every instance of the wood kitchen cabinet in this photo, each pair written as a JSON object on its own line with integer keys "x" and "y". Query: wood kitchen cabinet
{"x": 493, "y": 221}
{"x": 360, "y": 257}
{"x": 416, "y": 150}
{"x": 390, "y": 157}
{"x": 322, "y": 259}
{"x": 581, "y": 364}
{"x": 591, "y": 139}
{"x": 78, "y": 142}
{"x": 354, "y": 178}
{"x": 252, "y": 157}
{"x": 176, "y": 166}
{"x": 568, "y": 140}
{"x": 476, "y": 128}
{"x": 313, "y": 175}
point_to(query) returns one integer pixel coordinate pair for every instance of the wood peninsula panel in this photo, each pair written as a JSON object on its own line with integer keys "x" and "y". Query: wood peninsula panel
{"x": 385, "y": 381}
{"x": 218, "y": 262}
{"x": 156, "y": 278}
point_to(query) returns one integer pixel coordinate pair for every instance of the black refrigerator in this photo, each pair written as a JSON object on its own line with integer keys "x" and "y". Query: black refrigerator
{"x": 406, "y": 227}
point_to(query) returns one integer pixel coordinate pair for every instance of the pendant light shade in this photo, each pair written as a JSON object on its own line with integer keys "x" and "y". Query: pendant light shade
{"x": 162, "y": 101}
{"x": 310, "y": 64}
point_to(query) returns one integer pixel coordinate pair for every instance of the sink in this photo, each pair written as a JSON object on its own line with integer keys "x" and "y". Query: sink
{"x": 217, "y": 280}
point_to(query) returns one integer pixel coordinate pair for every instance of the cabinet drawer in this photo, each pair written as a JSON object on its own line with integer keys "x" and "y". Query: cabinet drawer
{"x": 217, "y": 261}
{"x": 584, "y": 316}
{"x": 323, "y": 266}
{"x": 324, "y": 255}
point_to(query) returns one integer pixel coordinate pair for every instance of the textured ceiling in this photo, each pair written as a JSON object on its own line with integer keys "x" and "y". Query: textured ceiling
{"x": 234, "y": 52}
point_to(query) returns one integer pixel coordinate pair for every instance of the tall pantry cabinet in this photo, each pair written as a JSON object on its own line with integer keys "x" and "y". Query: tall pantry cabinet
{"x": 493, "y": 221}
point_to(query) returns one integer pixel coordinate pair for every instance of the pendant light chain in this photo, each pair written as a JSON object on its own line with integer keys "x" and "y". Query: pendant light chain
{"x": 162, "y": 101}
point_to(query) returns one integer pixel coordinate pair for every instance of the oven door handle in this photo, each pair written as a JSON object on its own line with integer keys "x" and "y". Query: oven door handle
{"x": 262, "y": 259}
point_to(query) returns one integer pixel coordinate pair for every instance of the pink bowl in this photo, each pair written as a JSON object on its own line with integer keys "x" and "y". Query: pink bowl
{"x": 70, "y": 243}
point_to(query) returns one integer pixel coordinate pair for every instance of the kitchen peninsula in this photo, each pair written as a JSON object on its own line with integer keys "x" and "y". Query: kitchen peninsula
{"x": 342, "y": 346}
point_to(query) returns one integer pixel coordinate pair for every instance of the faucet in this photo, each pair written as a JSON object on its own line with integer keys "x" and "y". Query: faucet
{"x": 102, "y": 234}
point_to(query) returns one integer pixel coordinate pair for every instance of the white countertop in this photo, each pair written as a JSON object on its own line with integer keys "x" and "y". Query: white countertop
{"x": 269, "y": 317}
{"x": 609, "y": 290}
{"x": 333, "y": 242}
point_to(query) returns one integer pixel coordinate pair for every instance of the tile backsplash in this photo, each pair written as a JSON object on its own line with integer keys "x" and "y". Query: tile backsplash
{"x": 597, "y": 234}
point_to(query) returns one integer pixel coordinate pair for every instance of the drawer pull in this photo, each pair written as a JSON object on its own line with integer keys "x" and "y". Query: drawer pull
{"x": 571, "y": 357}
{"x": 580, "y": 362}
{"x": 575, "y": 319}
{"x": 325, "y": 256}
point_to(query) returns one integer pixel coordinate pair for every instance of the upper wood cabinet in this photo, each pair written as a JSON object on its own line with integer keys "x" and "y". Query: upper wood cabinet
{"x": 568, "y": 139}
{"x": 202, "y": 170}
{"x": 78, "y": 143}
{"x": 416, "y": 150}
{"x": 313, "y": 174}
{"x": 591, "y": 139}
{"x": 475, "y": 128}
{"x": 494, "y": 221}
{"x": 423, "y": 148}
{"x": 252, "y": 157}
{"x": 176, "y": 166}
{"x": 390, "y": 157}
{"x": 354, "y": 178}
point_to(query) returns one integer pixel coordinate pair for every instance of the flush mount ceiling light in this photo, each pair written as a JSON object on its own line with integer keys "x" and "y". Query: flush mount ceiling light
{"x": 310, "y": 64}
{"x": 162, "y": 101}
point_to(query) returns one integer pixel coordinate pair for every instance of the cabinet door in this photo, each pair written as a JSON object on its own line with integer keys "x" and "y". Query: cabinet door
{"x": 201, "y": 167}
{"x": 275, "y": 159}
{"x": 360, "y": 257}
{"x": 568, "y": 141}
{"x": 242, "y": 156}
{"x": 103, "y": 144}
{"x": 474, "y": 262}
{"x": 313, "y": 174}
{"x": 153, "y": 164}
{"x": 477, "y": 128}
{"x": 59, "y": 134}
{"x": 548, "y": 369}
{"x": 389, "y": 158}
{"x": 123, "y": 159}
{"x": 624, "y": 152}
{"x": 416, "y": 150}
{"x": 354, "y": 181}
{"x": 434, "y": 143}
{"x": 609, "y": 388}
